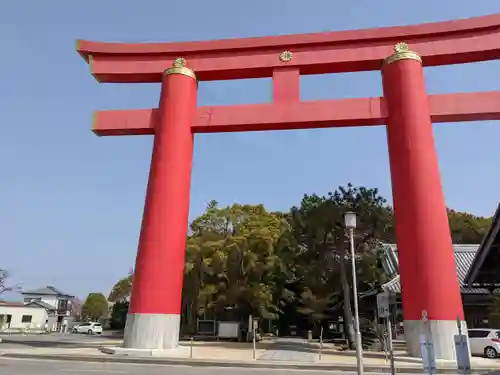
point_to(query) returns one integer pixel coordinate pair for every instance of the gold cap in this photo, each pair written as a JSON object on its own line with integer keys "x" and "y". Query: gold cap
{"x": 402, "y": 52}
{"x": 179, "y": 67}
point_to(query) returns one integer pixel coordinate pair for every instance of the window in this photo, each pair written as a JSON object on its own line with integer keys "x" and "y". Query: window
{"x": 478, "y": 334}
{"x": 26, "y": 319}
{"x": 62, "y": 304}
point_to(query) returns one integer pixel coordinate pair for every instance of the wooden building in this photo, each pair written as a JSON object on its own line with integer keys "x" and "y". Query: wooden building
{"x": 476, "y": 298}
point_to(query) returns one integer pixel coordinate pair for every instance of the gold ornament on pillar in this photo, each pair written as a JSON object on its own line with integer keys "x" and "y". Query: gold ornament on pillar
{"x": 179, "y": 67}
{"x": 402, "y": 52}
{"x": 179, "y": 62}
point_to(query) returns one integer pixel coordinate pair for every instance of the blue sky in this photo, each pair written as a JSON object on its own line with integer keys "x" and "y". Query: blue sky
{"x": 71, "y": 203}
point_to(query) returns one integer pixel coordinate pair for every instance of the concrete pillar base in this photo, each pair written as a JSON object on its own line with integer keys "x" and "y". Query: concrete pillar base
{"x": 442, "y": 333}
{"x": 152, "y": 331}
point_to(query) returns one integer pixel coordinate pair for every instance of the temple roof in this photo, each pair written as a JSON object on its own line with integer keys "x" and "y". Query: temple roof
{"x": 464, "y": 258}
{"x": 483, "y": 271}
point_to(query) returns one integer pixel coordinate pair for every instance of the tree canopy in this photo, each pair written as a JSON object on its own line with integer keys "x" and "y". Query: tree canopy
{"x": 243, "y": 259}
{"x": 122, "y": 289}
{"x": 237, "y": 262}
{"x": 467, "y": 228}
{"x": 95, "y": 307}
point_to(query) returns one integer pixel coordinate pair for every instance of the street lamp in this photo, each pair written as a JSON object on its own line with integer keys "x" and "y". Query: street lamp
{"x": 350, "y": 224}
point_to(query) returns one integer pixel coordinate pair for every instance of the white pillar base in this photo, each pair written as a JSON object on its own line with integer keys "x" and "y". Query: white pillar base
{"x": 442, "y": 332}
{"x": 152, "y": 331}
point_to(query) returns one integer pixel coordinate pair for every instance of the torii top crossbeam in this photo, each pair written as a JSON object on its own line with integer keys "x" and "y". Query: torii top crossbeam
{"x": 443, "y": 43}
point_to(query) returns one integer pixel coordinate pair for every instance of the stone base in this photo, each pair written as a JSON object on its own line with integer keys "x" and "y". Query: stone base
{"x": 442, "y": 333}
{"x": 178, "y": 352}
{"x": 152, "y": 331}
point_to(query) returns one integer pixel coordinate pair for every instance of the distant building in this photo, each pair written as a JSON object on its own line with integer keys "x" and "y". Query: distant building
{"x": 18, "y": 316}
{"x": 476, "y": 299}
{"x": 54, "y": 298}
{"x": 42, "y": 309}
{"x": 484, "y": 271}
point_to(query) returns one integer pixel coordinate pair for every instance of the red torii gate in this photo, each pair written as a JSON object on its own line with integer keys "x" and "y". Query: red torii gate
{"x": 428, "y": 275}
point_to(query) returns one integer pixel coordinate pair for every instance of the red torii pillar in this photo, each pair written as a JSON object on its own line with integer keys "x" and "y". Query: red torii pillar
{"x": 154, "y": 315}
{"x": 425, "y": 249}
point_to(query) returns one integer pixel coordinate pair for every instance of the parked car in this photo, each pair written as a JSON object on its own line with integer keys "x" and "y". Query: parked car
{"x": 92, "y": 328}
{"x": 485, "y": 342}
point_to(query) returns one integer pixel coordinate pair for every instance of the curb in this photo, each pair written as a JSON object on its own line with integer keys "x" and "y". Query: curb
{"x": 232, "y": 364}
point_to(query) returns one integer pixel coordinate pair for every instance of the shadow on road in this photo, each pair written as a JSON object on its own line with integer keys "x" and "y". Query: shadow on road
{"x": 50, "y": 344}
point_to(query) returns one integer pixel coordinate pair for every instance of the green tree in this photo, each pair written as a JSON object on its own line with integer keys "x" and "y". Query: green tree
{"x": 319, "y": 233}
{"x": 122, "y": 289}
{"x": 236, "y": 263}
{"x": 467, "y": 228}
{"x": 95, "y": 307}
{"x": 119, "y": 313}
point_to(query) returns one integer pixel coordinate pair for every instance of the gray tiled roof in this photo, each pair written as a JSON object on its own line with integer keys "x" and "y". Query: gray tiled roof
{"x": 464, "y": 256}
{"x": 47, "y": 291}
{"x": 482, "y": 270}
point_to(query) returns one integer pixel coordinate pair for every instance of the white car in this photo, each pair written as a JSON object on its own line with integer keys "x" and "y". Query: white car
{"x": 485, "y": 342}
{"x": 92, "y": 328}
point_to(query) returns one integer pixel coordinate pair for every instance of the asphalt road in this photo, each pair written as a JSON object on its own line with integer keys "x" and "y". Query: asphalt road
{"x": 43, "y": 367}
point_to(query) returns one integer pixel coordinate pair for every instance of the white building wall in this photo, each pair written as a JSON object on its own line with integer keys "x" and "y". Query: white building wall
{"x": 38, "y": 317}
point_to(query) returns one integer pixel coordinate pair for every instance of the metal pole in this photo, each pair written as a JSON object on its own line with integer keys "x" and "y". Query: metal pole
{"x": 253, "y": 338}
{"x": 359, "y": 347}
{"x": 191, "y": 348}
{"x": 464, "y": 367}
{"x": 320, "y": 343}
{"x": 428, "y": 342}
{"x": 389, "y": 345}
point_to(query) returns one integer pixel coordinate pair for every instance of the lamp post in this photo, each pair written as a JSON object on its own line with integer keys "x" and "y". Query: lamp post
{"x": 350, "y": 224}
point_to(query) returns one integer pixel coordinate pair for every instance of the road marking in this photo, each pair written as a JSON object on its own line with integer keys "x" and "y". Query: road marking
{"x": 93, "y": 370}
